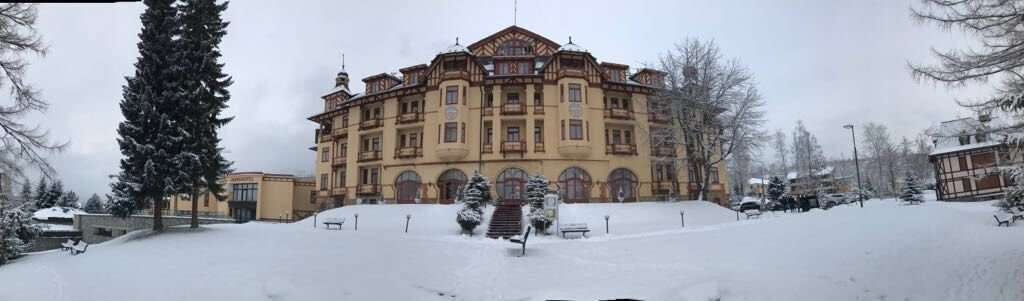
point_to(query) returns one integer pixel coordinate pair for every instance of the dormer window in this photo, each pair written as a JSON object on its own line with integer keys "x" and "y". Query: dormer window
{"x": 455, "y": 65}
{"x": 412, "y": 78}
{"x": 980, "y": 138}
{"x": 371, "y": 87}
{"x": 513, "y": 67}
{"x": 571, "y": 63}
{"x": 515, "y": 47}
{"x": 615, "y": 75}
{"x": 964, "y": 140}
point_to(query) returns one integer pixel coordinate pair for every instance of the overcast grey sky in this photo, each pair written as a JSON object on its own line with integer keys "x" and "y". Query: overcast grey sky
{"x": 825, "y": 62}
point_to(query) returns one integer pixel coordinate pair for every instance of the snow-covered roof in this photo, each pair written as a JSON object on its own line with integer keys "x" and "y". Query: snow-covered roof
{"x": 55, "y": 212}
{"x": 456, "y": 48}
{"x": 757, "y": 181}
{"x": 792, "y": 175}
{"x": 825, "y": 171}
{"x": 337, "y": 89}
{"x": 571, "y": 47}
{"x": 957, "y": 148}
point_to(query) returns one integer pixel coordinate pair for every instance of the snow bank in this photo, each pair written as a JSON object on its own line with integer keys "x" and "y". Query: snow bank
{"x": 426, "y": 219}
{"x": 56, "y": 212}
{"x": 637, "y": 218}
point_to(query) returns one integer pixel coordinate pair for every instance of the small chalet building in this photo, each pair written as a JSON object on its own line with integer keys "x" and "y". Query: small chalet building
{"x": 966, "y": 161}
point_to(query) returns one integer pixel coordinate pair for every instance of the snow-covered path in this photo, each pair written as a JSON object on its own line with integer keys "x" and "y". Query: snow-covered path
{"x": 885, "y": 251}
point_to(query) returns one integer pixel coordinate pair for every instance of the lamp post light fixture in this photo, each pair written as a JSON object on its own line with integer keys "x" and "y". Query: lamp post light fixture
{"x": 606, "y": 224}
{"x": 856, "y": 161}
{"x": 407, "y": 217}
{"x": 682, "y": 220}
{"x": 357, "y": 221}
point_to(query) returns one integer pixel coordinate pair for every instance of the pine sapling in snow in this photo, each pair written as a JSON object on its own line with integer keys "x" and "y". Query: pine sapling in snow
{"x": 910, "y": 189}
{"x": 536, "y": 189}
{"x": 1015, "y": 194}
{"x": 16, "y": 230}
{"x": 472, "y": 214}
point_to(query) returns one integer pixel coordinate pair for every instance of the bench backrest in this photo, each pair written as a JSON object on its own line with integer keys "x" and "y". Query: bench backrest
{"x": 81, "y": 245}
{"x": 334, "y": 220}
{"x": 527, "y": 235}
{"x": 573, "y": 226}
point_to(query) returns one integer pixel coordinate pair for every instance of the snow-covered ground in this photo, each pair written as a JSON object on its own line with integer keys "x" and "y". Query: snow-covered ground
{"x": 885, "y": 251}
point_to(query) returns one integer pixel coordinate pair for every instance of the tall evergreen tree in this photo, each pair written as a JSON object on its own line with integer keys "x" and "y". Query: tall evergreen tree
{"x": 205, "y": 85}
{"x": 536, "y": 188}
{"x": 776, "y": 189}
{"x": 471, "y": 214}
{"x": 56, "y": 194}
{"x": 149, "y": 135}
{"x": 95, "y": 205}
{"x": 25, "y": 196}
{"x": 41, "y": 196}
{"x": 910, "y": 189}
{"x": 70, "y": 200}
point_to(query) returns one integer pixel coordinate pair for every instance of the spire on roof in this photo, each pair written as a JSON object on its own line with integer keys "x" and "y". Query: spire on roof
{"x": 456, "y": 48}
{"x": 571, "y": 47}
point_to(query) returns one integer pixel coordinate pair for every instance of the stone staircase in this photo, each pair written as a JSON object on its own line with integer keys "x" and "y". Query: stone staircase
{"x": 507, "y": 221}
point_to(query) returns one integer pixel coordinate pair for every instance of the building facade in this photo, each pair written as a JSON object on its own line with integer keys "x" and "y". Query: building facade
{"x": 254, "y": 196}
{"x": 509, "y": 105}
{"x": 967, "y": 160}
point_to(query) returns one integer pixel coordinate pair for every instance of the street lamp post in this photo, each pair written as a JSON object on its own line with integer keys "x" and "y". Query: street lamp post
{"x": 856, "y": 161}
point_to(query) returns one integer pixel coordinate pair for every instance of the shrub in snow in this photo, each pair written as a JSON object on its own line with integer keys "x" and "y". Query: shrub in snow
{"x": 1015, "y": 194}
{"x": 95, "y": 205}
{"x": 910, "y": 189}
{"x": 16, "y": 230}
{"x": 471, "y": 214}
{"x": 536, "y": 189}
{"x": 862, "y": 193}
{"x": 481, "y": 183}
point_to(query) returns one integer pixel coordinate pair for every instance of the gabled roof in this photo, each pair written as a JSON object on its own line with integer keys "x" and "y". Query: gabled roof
{"x": 518, "y": 29}
{"x": 372, "y": 77}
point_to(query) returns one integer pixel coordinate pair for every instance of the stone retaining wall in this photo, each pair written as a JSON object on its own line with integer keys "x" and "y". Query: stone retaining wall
{"x": 97, "y": 228}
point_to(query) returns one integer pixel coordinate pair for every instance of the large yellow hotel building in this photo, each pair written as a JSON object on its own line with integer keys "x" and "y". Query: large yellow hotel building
{"x": 509, "y": 105}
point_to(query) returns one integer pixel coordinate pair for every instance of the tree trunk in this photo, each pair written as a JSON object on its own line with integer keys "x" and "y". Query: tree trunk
{"x": 158, "y": 214}
{"x": 195, "y": 210}
{"x": 706, "y": 182}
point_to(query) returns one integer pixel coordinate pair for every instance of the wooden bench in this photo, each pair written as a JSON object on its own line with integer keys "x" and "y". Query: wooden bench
{"x": 1017, "y": 214}
{"x": 67, "y": 245}
{"x": 573, "y": 228}
{"x": 751, "y": 212}
{"x": 79, "y": 248}
{"x": 1001, "y": 222}
{"x": 522, "y": 241}
{"x": 334, "y": 221}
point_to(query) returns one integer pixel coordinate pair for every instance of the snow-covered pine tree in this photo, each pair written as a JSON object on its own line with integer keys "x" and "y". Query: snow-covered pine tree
{"x": 536, "y": 188}
{"x": 41, "y": 197}
{"x": 95, "y": 205}
{"x": 25, "y": 196}
{"x": 16, "y": 230}
{"x": 776, "y": 189}
{"x": 147, "y": 135}
{"x": 862, "y": 193}
{"x": 471, "y": 215}
{"x": 206, "y": 84}
{"x": 56, "y": 193}
{"x": 481, "y": 183}
{"x": 69, "y": 200}
{"x": 910, "y": 189}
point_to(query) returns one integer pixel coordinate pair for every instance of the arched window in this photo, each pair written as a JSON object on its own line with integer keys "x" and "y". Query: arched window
{"x": 511, "y": 186}
{"x": 407, "y": 187}
{"x": 515, "y": 47}
{"x": 449, "y": 184}
{"x": 575, "y": 184}
{"x": 622, "y": 183}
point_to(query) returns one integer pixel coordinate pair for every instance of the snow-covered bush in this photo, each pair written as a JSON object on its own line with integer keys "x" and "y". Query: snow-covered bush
{"x": 95, "y": 205}
{"x": 910, "y": 189}
{"x": 16, "y": 230}
{"x": 472, "y": 215}
{"x": 862, "y": 193}
{"x": 1015, "y": 194}
{"x": 536, "y": 189}
{"x": 481, "y": 183}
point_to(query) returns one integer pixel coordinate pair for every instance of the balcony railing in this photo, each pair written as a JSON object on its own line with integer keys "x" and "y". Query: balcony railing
{"x": 620, "y": 149}
{"x": 488, "y": 148}
{"x": 368, "y": 189}
{"x": 513, "y": 109}
{"x": 412, "y": 117}
{"x": 338, "y": 191}
{"x": 513, "y": 147}
{"x": 369, "y": 156}
{"x": 538, "y": 147}
{"x": 340, "y": 132}
{"x": 615, "y": 113}
{"x": 369, "y": 124}
{"x": 487, "y": 111}
{"x": 339, "y": 160}
{"x": 664, "y": 186}
{"x": 656, "y": 117}
{"x": 455, "y": 74}
{"x": 408, "y": 152}
{"x": 538, "y": 109}
{"x": 663, "y": 151}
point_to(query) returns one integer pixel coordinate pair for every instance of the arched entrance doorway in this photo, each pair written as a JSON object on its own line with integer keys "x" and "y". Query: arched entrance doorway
{"x": 575, "y": 184}
{"x": 511, "y": 186}
{"x": 622, "y": 183}
{"x": 449, "y": 185}
{"x": 407, "y": 187}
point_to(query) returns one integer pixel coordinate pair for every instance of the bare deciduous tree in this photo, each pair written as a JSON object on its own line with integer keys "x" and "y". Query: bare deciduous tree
{"x": 21, "y": 145}
{"x": 881, "y": 152}
{"x": 714, "y": 107}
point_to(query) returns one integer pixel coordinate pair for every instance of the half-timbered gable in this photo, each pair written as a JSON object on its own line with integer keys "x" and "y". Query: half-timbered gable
{"x": 615, "y": 72}
{"x": 413, "y": 75}
{"x": 572, "y": 64}
{"x": 457, "y": 65}
{"x": 380, "y": 82}
{"x": 513, "y": 41}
